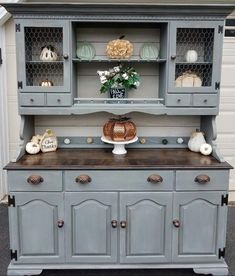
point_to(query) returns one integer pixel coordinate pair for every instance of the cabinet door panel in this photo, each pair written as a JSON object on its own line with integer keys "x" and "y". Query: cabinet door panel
{"x": 146, "y": 238}
{"x": 89, "y": 217}
{"x": 34, "y": 222}
{"x": 202, "y": 226}
{"x": 204, "y": 39}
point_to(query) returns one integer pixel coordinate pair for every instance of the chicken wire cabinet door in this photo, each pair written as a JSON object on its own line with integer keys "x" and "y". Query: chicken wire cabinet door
{"x": 195, "y": 56}
{"x": 145, "y": 227}
{"x": 199, "y": 227}
{"x": 43, "y": 55}
{"x": 91, "y": 230}
{"x": 36, "y": 227}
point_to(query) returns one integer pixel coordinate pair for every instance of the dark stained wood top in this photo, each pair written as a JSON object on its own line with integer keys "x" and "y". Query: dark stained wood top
{"x": 103, "y": 159}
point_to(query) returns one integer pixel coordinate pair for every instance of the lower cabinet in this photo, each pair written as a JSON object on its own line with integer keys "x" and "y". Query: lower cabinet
{"x": 118, "y": 227}
{"x": 200, "y": 233}
{"x": 36, "y": 227}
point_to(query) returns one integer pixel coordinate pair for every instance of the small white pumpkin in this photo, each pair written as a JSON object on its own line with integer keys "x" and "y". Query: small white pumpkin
{"x": 206, "y": 149}
{"x": 196, "y": 140}
{"x": 46, "y": 82}
{"x": 48, "y": 53}
{"x": 32, "y": 148}
{"x": 191, "y": 56}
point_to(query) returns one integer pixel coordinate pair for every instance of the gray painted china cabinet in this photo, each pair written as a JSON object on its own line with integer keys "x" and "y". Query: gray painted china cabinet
{"x": 81, "y": 207}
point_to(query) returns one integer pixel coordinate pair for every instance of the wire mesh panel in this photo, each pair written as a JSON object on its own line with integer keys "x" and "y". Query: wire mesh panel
{"x": 43, "y": 54}
{"x": 194, "y": 56}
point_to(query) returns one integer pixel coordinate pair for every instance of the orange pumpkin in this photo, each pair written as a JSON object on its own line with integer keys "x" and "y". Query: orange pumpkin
{"x": 121, "y": 129}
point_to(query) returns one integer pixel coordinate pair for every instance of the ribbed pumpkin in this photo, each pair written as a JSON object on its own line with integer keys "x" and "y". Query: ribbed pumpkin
{"x": 121, "y": 129}
{"x": 85, "y": 50}
{"x": 149, "y": 51}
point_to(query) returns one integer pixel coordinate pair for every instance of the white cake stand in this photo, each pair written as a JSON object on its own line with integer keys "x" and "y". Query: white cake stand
{"x": 119, "y": 147}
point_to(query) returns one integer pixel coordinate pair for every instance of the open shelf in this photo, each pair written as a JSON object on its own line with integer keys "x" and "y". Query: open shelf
{"x": 132, "y": 59}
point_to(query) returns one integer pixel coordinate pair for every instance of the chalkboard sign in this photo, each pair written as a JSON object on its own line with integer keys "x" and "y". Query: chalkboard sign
{"x": 117, "y": 93}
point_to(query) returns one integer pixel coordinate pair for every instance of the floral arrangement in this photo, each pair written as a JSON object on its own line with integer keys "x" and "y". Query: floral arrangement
{"x": 119, "y": 77}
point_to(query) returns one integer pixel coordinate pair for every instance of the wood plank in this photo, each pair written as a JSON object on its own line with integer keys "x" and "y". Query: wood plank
{"x": 103, "y": 159}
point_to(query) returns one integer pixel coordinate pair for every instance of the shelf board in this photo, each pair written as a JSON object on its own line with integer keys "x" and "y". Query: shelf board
{"x": 43, "y": 62}
{"x": 133, "y": 59}
{"x": 192, "y": 63}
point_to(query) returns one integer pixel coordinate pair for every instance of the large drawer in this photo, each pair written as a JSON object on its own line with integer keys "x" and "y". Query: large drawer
{"x": 202, "y": 180}
{"x": 36, "y": 181}
{"x": 119, "y": 180}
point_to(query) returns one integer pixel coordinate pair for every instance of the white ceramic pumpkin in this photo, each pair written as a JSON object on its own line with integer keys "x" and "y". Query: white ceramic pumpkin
{"x": 188, "y": 79}
{"x": 32, "y": 148}
{"x": 149, "y": 51}
{"x": 191, "y": 56}
{"x": 47, "y": 83}
{"x": 48, "y": 54}
{"x": 196, "y": 140}
{"x": 206, "y": 149}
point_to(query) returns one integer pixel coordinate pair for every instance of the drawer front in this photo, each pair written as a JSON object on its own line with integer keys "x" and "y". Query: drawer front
{"x": 178, "y": 100}
{"x": 119, "y": 180}
{"x": 32, "y": 99}
{"x": 205, "y": 100}
{"x": 202, "y": 180}
{"x": 35, "y": 181}
{"x": 59, "y": 99}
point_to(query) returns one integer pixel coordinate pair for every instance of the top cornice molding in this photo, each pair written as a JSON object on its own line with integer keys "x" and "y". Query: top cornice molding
{"x": 81, "y": 9}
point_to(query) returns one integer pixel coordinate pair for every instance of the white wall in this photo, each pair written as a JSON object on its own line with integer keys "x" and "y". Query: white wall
{"x": 226, "y": 119}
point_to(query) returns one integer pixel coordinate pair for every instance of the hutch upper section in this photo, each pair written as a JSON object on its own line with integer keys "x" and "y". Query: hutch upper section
{"x": 174, "y": 83}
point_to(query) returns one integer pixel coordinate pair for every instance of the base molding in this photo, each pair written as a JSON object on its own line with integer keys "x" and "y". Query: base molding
{"x": 216, "y": 269}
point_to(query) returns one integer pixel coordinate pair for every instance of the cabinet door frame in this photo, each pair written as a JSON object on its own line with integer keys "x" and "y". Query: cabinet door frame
{"x": 109, "y": 199}
{"x": 217, "y": 53}
{"x": 21, "y": 58}
{"x": 213, "y": 198}
{"x": 52, "y": 199}
{"x": 161, "y": 199}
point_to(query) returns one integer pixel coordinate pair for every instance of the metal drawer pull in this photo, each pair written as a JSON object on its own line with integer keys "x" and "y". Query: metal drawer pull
{"x": 176, "y": 223}
{"x": 65, "y": 56}
{"x": 31, "y": 100}
{"x": 123, "y": 224}
{"x": 83, "y": 178}
{"x": 114, "y": 223}
{"x": 202, "y": 179}
{"x": 173, "y": 57}
{"x": 155, "y": 178}
{"x": 35, "y": 179}
{"x": 60, "y": 223}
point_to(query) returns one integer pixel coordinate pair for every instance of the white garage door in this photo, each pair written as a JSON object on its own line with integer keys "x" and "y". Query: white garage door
{"x": 226, "y": 119}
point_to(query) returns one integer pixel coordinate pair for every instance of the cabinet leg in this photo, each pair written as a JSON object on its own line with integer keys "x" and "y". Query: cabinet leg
{"x": 22, "y": 272}
{"x": 217, "y": 271}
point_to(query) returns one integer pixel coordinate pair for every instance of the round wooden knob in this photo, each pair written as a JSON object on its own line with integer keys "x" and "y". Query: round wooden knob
{"x": 176, "y": 223}
{"x": 83, "y": 178}
{"x": 202, "y": 179}
{"x": 123, "y": 224}
{"x": 60, "y": 223}
{"x": 114, "y": 223}
{"x": 35, "y": 179}
{"x": 155, "y": 178}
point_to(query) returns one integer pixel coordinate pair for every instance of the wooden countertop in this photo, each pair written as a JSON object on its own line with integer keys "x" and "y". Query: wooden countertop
{"x": 103, "y": 159}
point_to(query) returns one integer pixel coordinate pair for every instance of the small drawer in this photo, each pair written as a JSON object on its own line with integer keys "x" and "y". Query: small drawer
{"x": 36, "y": 181}
{"x": 205, "y": 100}
{"x": 202, "y": 180}
{"x": 178, "y": 100}
{"x": 31, "y": 99}
{"x": 59, "y": 100}
{"x": 118, "y": 180}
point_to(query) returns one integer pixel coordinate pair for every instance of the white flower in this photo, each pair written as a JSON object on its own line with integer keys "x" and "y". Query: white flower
{"x": 125, "y": 76}
{"x": 106, "y": 73}
{"x": 100, "y": 73}
{"x": 116, "y": 69}
{"x": 103, "y": 79}
{"x": 137, "y": 83}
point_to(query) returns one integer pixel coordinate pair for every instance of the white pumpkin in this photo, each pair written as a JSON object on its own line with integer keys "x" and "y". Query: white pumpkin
{"x": 206, "y": 149}
{"x": 48, "y": 54}
{"x": 46, "y": 83}
{"x": 196, "y": 140}
{"x": 32, "y": 148}
{"x": 191, "y": 56}
{"x": 188, "y": 79}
